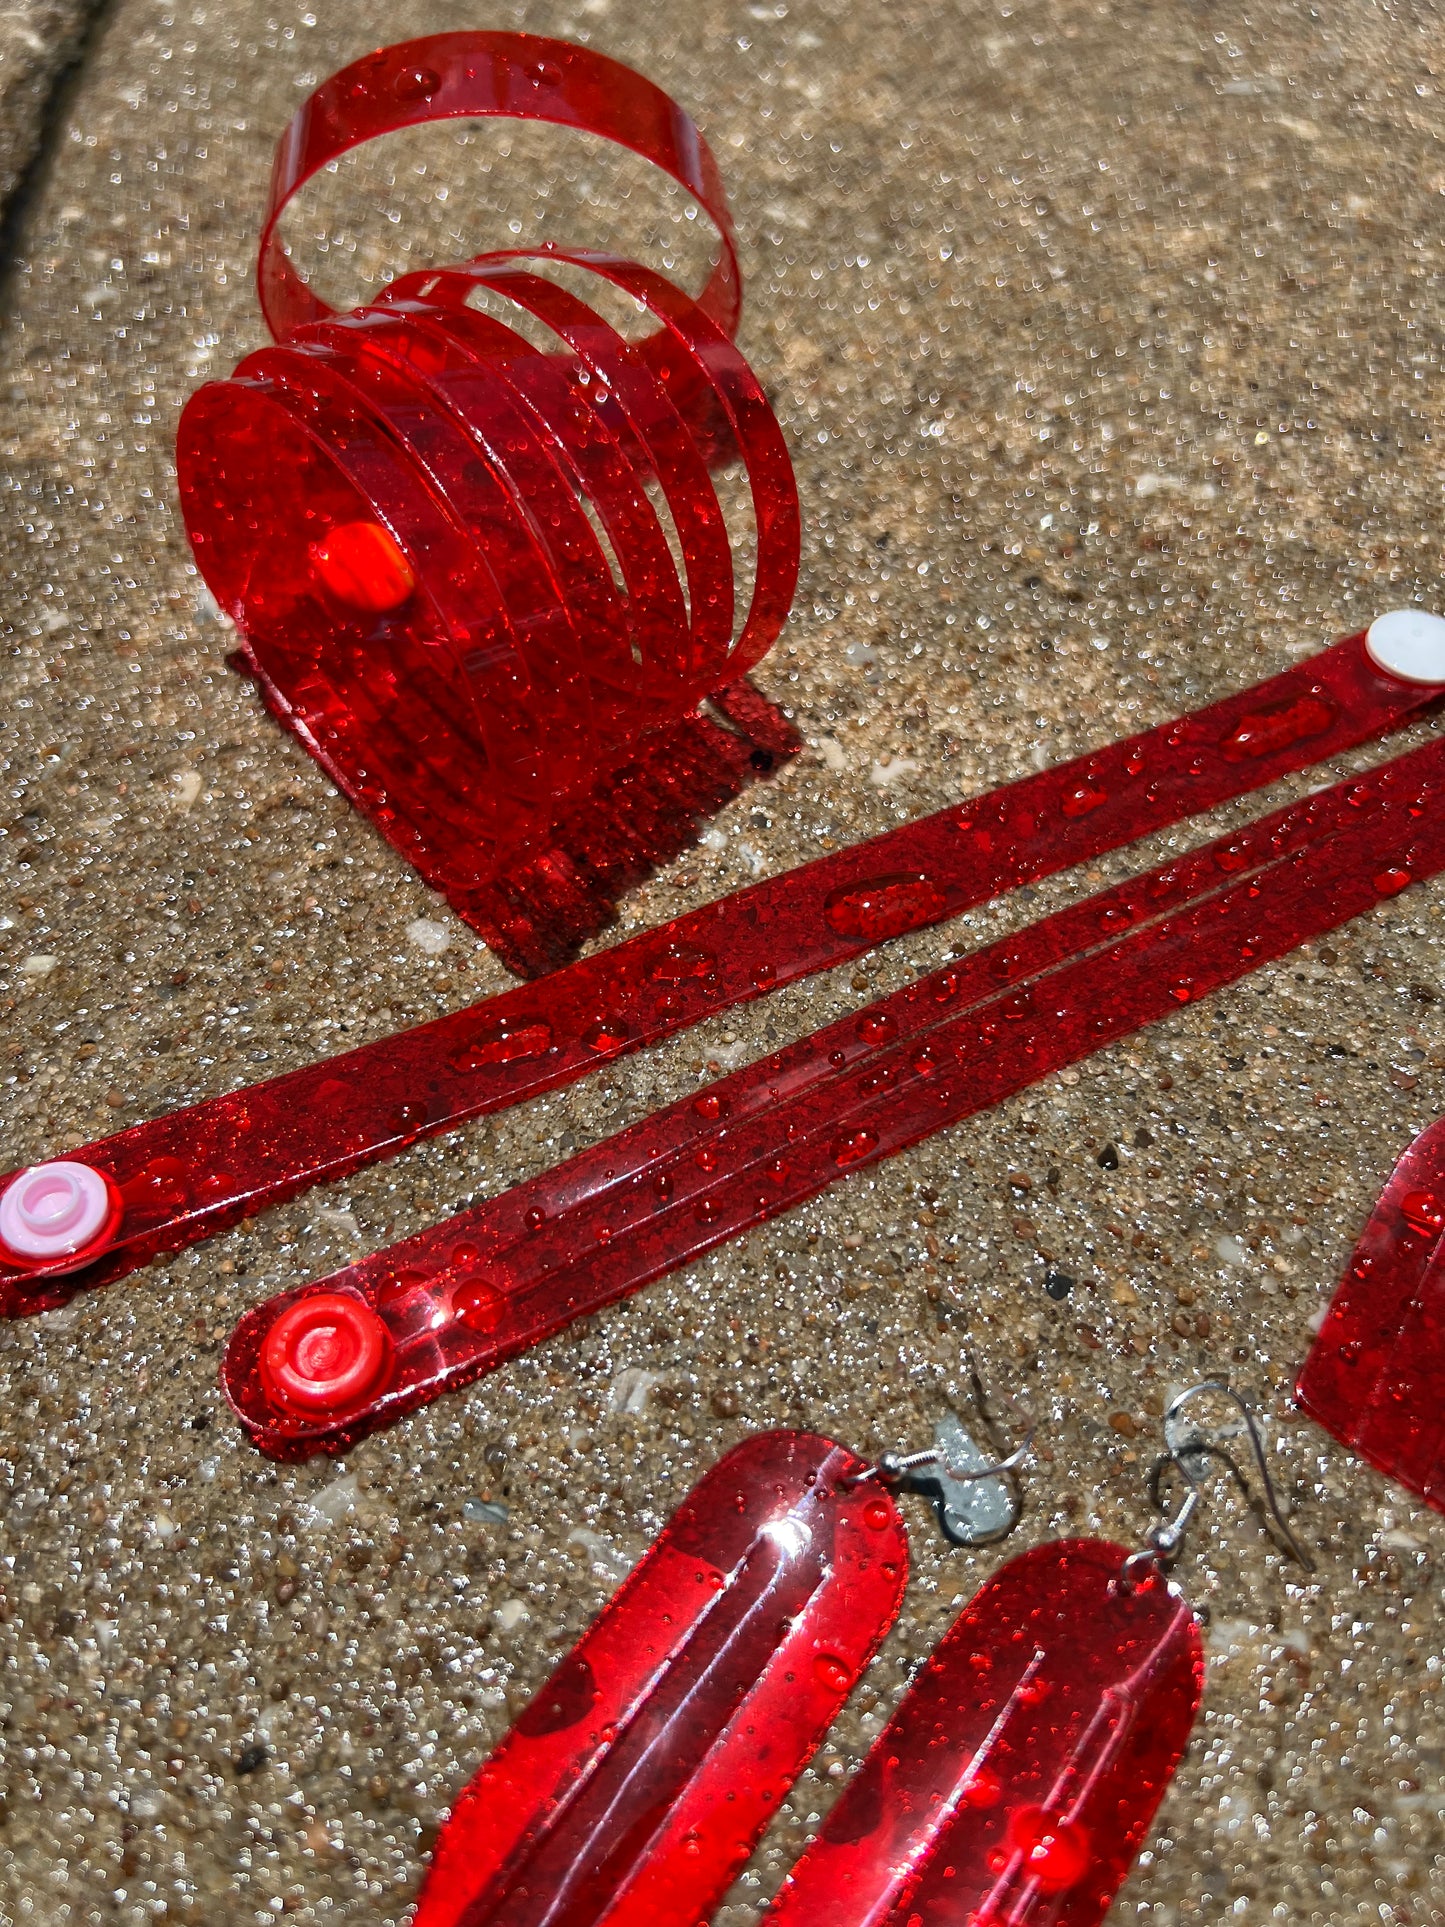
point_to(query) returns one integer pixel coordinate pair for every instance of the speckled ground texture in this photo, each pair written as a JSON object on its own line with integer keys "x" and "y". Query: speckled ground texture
{"x": 1107, "y": 340}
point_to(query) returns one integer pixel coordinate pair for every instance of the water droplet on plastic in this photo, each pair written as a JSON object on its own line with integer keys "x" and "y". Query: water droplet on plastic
{"x": 877, "y": 1514}
{"x": 707, "y": 1157}
{"x": 1391, "y": 882}
{"x": 884, "y": 907}
{"x": 764, "y": 974}
{"x": 535, "y": 1219}
{"x": 1183, "y": 990}
{"x": 363, "y": 565}
{"x": 924, "y": 1060}
{"x": 982, "y": 1788}
{"x": 662, "y": 1185}
{"x": 777, "y": 1170}
{"x": 855, "y": 1146}
{"x": 1081, "y": 799}
{"x": 710, "y": 1105}
{"x": 707, "y": 1211}
{"x": 832, "y": 1673}
{"x": 477, "y": 1305}
{"x": 876, "y": 1027}
{"x": 679, "y": 963}
{"x": 1055, "y": 1851}
{"x": 1423, "y": 1212}
{"x": 504, "y": 1041}
{"x": 837, "y": 1058}
{"x": 608, "y": 1034}
{"x": 1264, "y": 732}
{"x": 415, "y": 83}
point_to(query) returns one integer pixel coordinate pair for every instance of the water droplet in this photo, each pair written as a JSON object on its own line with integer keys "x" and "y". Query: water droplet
{"x": 945, "y": 987}
{"x": 982, "y": 1788}
{"x": 707, "y": 1157}
{"x": 691, "y": 1845}
{"x": 1423, "y": 1212}
{"x": 1264, "y": 732}
{"x": 884, "y": 907}
{"x": 1232, "y": 858}
{"x": 504, "y": 1041}
{"x": 535, "y": 1219}
{"x": 877, "y": 1514}
{"x": 777, "y": 1170}
{"x": 855, "y": 1146}
{"x": 608, "y": 1034}
{"x": 662, "y": 1185}
{"x": 544, "y": 73}
{"x": 924, "y": 1060}
{"x": 679, "y": 963}
{"x": 477, "y": 1305}
{"x": 764, "y": 974}
{"x": 415, "y": 83}
{"x": 707, "y": 1211}
{"x": 1391, "y": 882}
{"x": 408, "y": 1117}
{"x": 1082, "y": 798}
{"x": 1055, "y": 1851}
{"x": 876, "y": 1027}
{"x": 1133, "y": 763}
{"x": 711, "y": 1105}
{"x": 832, "y": 1673}
{"x": 1182, "y": 991}
{"x": 837, "y": 1058}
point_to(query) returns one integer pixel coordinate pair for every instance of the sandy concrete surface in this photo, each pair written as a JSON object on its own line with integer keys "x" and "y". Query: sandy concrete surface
{"x": 1107, "y": 340}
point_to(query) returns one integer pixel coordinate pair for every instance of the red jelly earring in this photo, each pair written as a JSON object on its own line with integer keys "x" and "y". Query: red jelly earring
{"x": 1376, "y": 1373}
{"x": 639, "y": 1779}
{"x": 1015, "y": 1782}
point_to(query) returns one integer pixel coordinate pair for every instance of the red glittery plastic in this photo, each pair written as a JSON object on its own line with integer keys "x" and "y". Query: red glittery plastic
{"x": 459, "y": 1298}
{"x": 1375, "y": 1375}
{"x": 1019, "y": 1775}
{"x": 188, "y": 1175}
{"x": 450, "y": 551}
{"x": 639, "y": 1779}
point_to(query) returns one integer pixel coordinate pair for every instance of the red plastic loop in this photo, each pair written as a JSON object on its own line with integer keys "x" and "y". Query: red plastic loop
{"x": 481, "y": 76}
{"x": 489, "y": 584}
{"x": 325, "y": 1354}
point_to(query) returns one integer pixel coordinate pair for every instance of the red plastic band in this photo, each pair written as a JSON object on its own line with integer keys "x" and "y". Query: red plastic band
{"x": 192, "y": 1173}
{"x": 462, "y": 1297}
{"x": 1375, "y": 1376}
{"x": 477, "y": 76}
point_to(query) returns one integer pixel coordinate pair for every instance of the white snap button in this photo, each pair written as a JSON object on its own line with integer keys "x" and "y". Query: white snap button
{"x": 1408, "y": 643}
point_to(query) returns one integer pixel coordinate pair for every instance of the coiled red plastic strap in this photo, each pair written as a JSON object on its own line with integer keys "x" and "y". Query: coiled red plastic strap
{"x": 188, "y": 1175}
{"x": 474, "y": 76}
{"x": 457, "y": 1300}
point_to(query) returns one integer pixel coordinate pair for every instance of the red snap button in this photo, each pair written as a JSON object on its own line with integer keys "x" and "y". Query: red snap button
{"x": 325, "y": 1353}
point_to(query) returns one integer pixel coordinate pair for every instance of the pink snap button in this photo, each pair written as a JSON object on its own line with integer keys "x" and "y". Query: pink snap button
{"x": 58, "y": 1210}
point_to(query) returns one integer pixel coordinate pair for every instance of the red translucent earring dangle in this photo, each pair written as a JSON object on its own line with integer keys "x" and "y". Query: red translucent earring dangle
{"x": 636, "y": 1783}
{"x": 1019, "y": 1775}
{"x": 1375, "y": 1375}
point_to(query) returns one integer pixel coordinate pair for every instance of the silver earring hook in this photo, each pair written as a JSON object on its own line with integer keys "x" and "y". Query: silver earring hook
{"x": 1164, "y": 1541}
{"x": 936, "y": 1471}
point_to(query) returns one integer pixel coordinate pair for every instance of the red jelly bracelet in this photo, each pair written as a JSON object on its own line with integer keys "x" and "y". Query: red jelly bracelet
{"x": 450, "y": 551}
{"x": 187, "y": 1175}
{"x": 460, "y": 1298}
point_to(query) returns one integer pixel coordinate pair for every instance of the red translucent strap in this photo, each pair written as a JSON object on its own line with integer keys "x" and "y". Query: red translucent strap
{"x": 1375, "y": 1375}
{"x": 185, "y": 1176}
{"x": 1017, "y": 1779}
{"x": 456, "y": 1300}
{"x": 643, "y": 1773}
{"x": 474, "y": 76}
